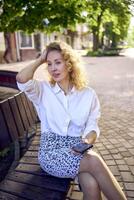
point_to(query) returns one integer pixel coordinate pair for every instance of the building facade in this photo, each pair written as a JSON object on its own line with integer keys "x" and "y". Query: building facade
{"x": 19, "y": 46}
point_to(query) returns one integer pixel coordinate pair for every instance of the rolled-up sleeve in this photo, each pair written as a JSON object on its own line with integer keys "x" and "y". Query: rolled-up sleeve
{"x": 94, "y": 115}
{"x": 32, "y": 89}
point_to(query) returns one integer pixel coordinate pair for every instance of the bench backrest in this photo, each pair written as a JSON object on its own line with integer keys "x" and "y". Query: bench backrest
{"x": 16, "y": 120}
{"x": 5, "y": 138}
{"x": 9, "y": 120}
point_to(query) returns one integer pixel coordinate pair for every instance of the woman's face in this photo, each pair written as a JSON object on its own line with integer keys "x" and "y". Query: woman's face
{"x": 56, "y": 66}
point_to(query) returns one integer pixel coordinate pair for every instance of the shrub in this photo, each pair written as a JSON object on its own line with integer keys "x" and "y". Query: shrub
{"x": 106, "y": 52}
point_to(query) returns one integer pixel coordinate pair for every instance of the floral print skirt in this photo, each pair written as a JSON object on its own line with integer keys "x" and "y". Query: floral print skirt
{"x": 56, "y": 157}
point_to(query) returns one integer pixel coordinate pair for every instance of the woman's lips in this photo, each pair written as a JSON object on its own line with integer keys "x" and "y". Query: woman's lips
{"x": 55, "y": 75}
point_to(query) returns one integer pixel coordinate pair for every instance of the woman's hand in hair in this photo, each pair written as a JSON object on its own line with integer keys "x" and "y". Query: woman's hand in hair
{"x": 43, "y": 56}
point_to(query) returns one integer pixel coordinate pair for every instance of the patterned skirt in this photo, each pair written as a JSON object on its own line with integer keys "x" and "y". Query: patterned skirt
{"x": 56, "y": 157}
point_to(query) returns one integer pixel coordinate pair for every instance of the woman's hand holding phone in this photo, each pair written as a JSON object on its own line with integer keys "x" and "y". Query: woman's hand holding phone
{"x": 81, "y": 147}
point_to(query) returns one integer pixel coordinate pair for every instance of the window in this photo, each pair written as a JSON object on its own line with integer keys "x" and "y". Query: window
{"x": 2, "y": 42}
{"x": 26, "y": 40}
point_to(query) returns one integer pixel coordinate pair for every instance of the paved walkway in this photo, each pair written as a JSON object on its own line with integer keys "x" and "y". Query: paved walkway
{"x": 113, "y": 80}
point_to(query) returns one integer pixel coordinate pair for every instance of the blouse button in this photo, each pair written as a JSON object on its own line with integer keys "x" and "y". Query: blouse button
{"x": 65, "y": 129}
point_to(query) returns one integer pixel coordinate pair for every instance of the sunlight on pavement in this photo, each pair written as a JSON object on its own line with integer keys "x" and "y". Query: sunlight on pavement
{"x": 130, "y": 75}
{"x": 128, "y": 52}
{"x": 116, "y": 77}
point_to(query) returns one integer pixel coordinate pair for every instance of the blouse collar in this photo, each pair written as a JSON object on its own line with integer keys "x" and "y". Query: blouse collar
{"x": 57, "y": 89}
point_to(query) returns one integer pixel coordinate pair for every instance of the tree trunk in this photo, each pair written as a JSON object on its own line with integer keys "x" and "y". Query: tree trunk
{"x": 95, "y": 40}
{"x": 114, "y": 42}
{"x": 101, "y": 45}
{"x": 72, "y": 35}
{"x": 7, "y": 53}
{"x": 96, "y": 30}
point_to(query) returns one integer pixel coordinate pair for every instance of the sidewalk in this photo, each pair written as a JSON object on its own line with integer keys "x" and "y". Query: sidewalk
{"x": 113, "y": 80}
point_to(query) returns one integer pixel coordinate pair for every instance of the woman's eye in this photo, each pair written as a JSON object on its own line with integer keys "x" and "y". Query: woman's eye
{"x": 58, "y": 63}
{"x": 49, "y": 64}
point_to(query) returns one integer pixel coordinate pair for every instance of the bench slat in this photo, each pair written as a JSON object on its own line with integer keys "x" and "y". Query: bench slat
{"x": 30, "y": 192}
{"x": 28, "y": 168}
{"x": 22, "y": 111}
{"x": 7, "y": 196}
{"x": 26, "y": 107}
{"x": 33, "y": 111}
{"x": 17, "y": 117}
{"x": 30, "y": 154}
{"x": 33, "y": 148}
{"x": 48, "y": 182}
{"x": 4, "y": 105}
{"x": 5, "y": 138}
{"x": 31, "y": 160}
{"x": 35, "y": 142}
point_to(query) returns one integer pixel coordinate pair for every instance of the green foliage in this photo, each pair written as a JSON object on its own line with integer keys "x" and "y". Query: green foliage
{"x": 130, "y": 37}
{"x": 28, "y": 15}
{"x": 100, "y": 52}
{"x": 115, "y": 13}
{"x": 108, "y": 18}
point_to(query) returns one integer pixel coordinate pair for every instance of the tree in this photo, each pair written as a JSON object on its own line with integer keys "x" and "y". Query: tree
{"x": 43, "y": 15}
{"x": 130, "y": 36}
{"x": 29, "y": 15}
{"x": 102, "y": 11}
{"x": 7, "y": 53}
{"x": 115, "y": 28}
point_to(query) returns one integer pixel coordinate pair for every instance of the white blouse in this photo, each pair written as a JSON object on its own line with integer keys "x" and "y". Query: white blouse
{"x": 75, "y": 114}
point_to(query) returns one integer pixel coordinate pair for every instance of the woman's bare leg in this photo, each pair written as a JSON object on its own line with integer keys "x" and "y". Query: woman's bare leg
{"x": 95, "y": 165}
{"x": 89, "y": 186}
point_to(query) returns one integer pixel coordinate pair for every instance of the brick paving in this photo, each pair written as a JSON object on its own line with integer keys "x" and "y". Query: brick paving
{"x": 113, "y": 80}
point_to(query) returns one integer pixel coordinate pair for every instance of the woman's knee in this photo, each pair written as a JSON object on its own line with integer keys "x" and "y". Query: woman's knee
{"x": 91, "y": 161}
{"x": 89, "y": 186}
{"x": 88, "y": 182}
{"x": 92, "y": 186}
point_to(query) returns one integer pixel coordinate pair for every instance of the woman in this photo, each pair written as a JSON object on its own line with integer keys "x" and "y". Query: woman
{"x": 68, "y": 111}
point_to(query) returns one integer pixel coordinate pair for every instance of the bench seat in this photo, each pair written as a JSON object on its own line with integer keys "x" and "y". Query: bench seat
{"x": 29, "y": 181}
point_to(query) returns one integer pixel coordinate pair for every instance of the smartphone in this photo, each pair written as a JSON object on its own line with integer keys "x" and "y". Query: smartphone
{"x": 82, "y": 147}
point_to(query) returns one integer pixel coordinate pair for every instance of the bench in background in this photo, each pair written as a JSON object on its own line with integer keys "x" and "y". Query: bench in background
{"x": 8, "y": 79}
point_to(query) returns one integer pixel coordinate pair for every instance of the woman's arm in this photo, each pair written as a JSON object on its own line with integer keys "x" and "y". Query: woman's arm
{"x": 91, "y": 132}
{"x": 28, "y": 72}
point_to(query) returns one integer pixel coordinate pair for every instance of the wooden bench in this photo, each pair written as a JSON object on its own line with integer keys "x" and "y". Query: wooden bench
{"x": 20, "y": 127}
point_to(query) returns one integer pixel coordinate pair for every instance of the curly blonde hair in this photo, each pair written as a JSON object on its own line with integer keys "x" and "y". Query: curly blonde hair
{"x": 72, "y": 62}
